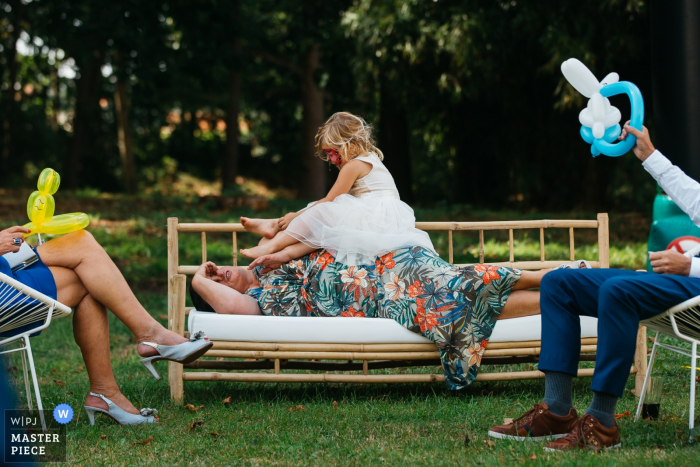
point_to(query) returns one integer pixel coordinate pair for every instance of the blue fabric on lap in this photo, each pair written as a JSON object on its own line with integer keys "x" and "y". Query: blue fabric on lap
{"x": 38, "y": 277}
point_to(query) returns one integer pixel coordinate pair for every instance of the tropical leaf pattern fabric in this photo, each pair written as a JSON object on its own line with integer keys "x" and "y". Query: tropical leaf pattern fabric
{"x": 455, "y": 307}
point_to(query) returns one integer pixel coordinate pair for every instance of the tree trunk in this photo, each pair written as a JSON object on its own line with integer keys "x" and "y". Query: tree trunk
{"x": 229, "y": 168}
{"x": 9, "y": 100}
{"x": 124, "y": 136}
{"x": 313, "y": 180}
{"x": 394, "y": 140}
{"x": 87, "y": 88}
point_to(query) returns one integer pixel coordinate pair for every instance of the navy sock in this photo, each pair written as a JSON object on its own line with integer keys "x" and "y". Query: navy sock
{"x": 603, "y": 408}
{"x": 557, "y": 392}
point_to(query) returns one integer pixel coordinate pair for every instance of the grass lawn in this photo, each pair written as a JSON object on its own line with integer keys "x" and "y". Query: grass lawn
{"x": 323, "y": 424}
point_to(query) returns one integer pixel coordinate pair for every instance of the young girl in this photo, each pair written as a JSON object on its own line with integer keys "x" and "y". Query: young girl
{"x": 362, "y": 217}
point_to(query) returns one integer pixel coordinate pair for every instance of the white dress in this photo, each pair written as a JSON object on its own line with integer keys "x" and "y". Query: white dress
{"x": 369, "y": 221}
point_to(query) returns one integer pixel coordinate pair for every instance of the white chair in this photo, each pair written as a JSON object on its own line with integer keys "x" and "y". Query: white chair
{"x": 21, "y": 307}
{"x": 682, "y": 322}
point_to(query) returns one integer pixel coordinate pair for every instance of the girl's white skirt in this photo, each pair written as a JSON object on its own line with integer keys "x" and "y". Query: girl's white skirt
{"x": 357, "y": 230}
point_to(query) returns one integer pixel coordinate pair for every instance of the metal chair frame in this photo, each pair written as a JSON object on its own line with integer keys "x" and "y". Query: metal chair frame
{"x": 682, "y": 322}
{"x": 20, "y": 305}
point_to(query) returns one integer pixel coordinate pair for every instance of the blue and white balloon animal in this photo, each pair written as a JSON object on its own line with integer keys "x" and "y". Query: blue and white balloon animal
{"x": 601, "y": 121}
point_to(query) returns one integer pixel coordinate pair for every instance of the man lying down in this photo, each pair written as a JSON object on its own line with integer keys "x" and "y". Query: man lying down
{"x": 455, "y": 307}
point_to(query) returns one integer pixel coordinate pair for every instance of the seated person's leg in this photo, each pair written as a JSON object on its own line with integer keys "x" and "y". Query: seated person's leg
{"x": 91, "y": 333}
{"x": 623, "y": 302}
{"x": 80, "y": 252}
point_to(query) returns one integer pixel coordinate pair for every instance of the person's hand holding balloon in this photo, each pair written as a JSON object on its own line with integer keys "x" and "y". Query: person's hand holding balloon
{"x": 643, "y": 149}
{"x": 11, "y": 239}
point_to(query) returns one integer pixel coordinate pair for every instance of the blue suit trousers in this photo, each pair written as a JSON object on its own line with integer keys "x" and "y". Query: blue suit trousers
{"x": 619, "y": 299}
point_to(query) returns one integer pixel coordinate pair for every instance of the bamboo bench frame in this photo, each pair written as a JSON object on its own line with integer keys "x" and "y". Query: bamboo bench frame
{"x": 364, "y": 357}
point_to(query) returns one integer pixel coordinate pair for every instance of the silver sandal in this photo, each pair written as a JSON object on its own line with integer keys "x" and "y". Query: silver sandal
{"x": 120, "y": 415}
{"x": 187, "y": 352}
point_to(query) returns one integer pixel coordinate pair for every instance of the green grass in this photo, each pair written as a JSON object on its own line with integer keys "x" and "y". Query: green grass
{"x": 403, "y": 424}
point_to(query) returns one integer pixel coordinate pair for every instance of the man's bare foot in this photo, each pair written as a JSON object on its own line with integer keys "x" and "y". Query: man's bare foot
{"x": 159, "y": 336}
{"x": 270, "y": 260}
{"x": 115, "y": 396}
{"x": 268, "y": 228}
{"x": 257, "y": 251}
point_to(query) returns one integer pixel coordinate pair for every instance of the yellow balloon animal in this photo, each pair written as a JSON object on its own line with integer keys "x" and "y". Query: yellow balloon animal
{"x": 41, "y": 206}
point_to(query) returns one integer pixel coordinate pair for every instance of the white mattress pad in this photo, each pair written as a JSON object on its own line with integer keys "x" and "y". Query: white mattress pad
{"x": 341, "y": 330}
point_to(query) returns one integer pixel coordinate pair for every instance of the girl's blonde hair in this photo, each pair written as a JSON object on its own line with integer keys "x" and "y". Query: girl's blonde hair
{"x": 342, "y": 130}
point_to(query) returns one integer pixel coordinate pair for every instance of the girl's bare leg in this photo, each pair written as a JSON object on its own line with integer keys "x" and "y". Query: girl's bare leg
{"x": 521, "y": 303}
{"x": 268, "y": 228}
{"x": 280, "y": 242}
{"x": 80, "y": 252}
{"x": 91, "y": 333}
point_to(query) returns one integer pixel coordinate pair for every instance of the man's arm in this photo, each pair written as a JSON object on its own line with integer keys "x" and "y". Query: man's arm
{"x": 682, "y": 189}
{"x": 223, "y": 299}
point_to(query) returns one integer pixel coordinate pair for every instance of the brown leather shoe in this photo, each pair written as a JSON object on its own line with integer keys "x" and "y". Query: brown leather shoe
{"x": 587, "y": 432}
{"x": 536, "y": 424}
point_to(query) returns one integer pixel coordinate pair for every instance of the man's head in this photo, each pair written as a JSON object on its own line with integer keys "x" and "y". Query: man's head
{"x": 234, "y": 277}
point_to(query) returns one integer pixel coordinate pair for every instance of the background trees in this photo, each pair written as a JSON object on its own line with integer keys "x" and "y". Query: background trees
{"x": 466, "y": 95}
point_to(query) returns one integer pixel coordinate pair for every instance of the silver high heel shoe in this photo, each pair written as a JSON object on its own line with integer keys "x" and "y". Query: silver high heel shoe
{"x": 579, "y": 264}
{"x": 187, "y": 352}
{"x": 120, "y": 415}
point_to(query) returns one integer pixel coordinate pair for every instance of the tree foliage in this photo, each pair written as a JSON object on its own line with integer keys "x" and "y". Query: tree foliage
{"x": 466, "y": 95}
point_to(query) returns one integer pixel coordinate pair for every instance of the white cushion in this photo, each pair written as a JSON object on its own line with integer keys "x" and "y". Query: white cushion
{"x": 340, "y": 330}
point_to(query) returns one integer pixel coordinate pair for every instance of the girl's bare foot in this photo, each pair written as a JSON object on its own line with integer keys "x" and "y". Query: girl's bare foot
{"x": 268, "y": 228}
{"x": 113, "y": 395}
{"x": 271, "y": 260}
{"x": 256, "y": 252}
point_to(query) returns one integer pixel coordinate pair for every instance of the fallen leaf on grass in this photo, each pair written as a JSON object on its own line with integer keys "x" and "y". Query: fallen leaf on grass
{"x": 103, "y": 436}
{"x": 194, "y": 425}
{"x": 466, "y": 439}
{"x": 335, "y": 404}
{"x": 620, "y": 415}
{"x": 298, "y": 407}
{"x": 227, "y": 400}
{"x": 192, "y": 408}
{"x": 162, "y": 316}
{"x": 80, "y": 368}
{"x": 533, "y": 457}
{"x": 489, "y": 442}
{"x": 144, "y": 442}
{"x": 58, "y": 382}
{"x": 507, "y": 421}
{"x": 214, "y": 434}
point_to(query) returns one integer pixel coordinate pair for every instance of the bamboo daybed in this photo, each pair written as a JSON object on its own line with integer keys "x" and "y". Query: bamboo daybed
{"x": 277, "y": 356}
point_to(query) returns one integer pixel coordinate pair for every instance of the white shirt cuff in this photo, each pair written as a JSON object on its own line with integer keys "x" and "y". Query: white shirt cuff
{"x": 695, "y": 268}
{"x": 656, "y": 164}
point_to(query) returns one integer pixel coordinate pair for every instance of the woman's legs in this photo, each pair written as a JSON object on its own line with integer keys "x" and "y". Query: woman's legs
{"x": 91, "y": 332}
{"x": 100, "y": 277}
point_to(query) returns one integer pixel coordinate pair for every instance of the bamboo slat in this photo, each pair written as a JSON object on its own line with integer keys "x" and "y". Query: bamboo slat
{"x": 481, "y": 247}
{"x": 450, "y": 251}
{"x": 572, "y": 256}
{"x": 514, "y": 352}
{"x": 345, "y": 378}
{"x": 503, "y": 225}
{"x": 204, "y": 247}
{"x": 313, "y": 347}
{"x": 542, "y": 244}
{"x": 235, "y": 248}
{"x": 603, "y": 241}
{"x": 210, "y": 227}
{"x": 177, "y": 304}
{"x": 511, "y": 252}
